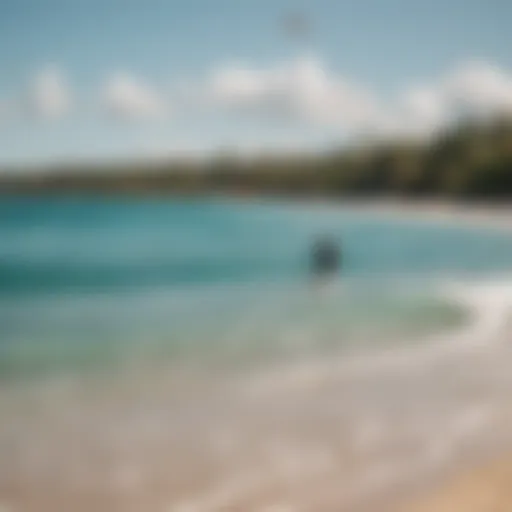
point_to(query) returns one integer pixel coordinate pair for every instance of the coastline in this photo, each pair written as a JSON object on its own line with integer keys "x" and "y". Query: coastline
{"x": 303, "y": 432}
{"x": 472, "y": 214}
{"x": 483, "y": 485}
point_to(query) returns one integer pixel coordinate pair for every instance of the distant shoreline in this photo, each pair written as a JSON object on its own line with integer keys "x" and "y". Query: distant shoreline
{"x": 473, "y": 214}
{"x": 495, "y": 214}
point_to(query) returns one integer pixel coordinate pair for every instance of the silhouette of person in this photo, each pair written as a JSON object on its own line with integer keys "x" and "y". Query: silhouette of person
{"x": 325, "y": 258}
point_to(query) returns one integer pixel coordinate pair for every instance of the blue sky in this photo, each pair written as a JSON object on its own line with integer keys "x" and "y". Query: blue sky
{"x": 119, "y": 78}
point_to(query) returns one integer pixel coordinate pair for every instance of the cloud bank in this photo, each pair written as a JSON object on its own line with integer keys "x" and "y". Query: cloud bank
{"x": 306, "y": 90}
{"x": 303, "y": 90}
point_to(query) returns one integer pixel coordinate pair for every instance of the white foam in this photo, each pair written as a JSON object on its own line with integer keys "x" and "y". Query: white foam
{"x": 489, "y": 305}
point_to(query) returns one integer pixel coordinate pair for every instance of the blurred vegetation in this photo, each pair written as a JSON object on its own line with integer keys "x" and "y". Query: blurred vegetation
{"x": 469, "y": 161}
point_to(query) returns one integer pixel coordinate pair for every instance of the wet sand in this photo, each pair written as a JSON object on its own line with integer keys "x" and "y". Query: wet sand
{"x": 309, "y": 436}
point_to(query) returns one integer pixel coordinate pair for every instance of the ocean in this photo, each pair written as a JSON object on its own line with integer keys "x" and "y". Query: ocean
{"x": 84, "y": 278}
{"x": 129, "y": 325}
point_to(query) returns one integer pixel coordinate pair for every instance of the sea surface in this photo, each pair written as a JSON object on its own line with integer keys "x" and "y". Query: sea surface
{"x": 170, "y": 351}
{"x": 84, "y": 279}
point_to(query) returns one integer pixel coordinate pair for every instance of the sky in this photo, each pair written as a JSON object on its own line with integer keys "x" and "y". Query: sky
{"x": 102, "y": 79}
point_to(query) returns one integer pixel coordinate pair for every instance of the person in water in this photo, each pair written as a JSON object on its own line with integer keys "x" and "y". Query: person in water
{"x": 325, "y": 258}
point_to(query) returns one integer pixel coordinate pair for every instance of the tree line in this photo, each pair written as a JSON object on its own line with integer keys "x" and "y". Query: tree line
{"x": 472, "y": 160}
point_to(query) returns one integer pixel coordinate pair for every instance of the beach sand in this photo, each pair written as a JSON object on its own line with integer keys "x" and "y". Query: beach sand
{"x": 484, "y": 489}
{"x": 313, "y": 436}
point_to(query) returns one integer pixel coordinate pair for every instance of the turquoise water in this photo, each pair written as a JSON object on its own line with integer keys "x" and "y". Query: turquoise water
{"x": 89, "y": 281}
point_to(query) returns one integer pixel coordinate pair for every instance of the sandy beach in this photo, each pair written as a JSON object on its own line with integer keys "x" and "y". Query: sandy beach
{"x": 413, "y": 428}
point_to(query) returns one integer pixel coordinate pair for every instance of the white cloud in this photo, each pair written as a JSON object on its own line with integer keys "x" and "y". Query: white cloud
{"x": 474, "y": 90}
{"x": 480, "y": 88}
{"x": 426, "y": 105}
{"x": 418, "y": 111}
{"x": 129, "y": 97}
{"x": 305, "y": 89}
{"x": 49, "y": 95}
{"x": 301, "y": 89}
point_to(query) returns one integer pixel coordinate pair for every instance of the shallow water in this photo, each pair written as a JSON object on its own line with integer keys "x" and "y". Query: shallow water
{"x": 84, "y": 280}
